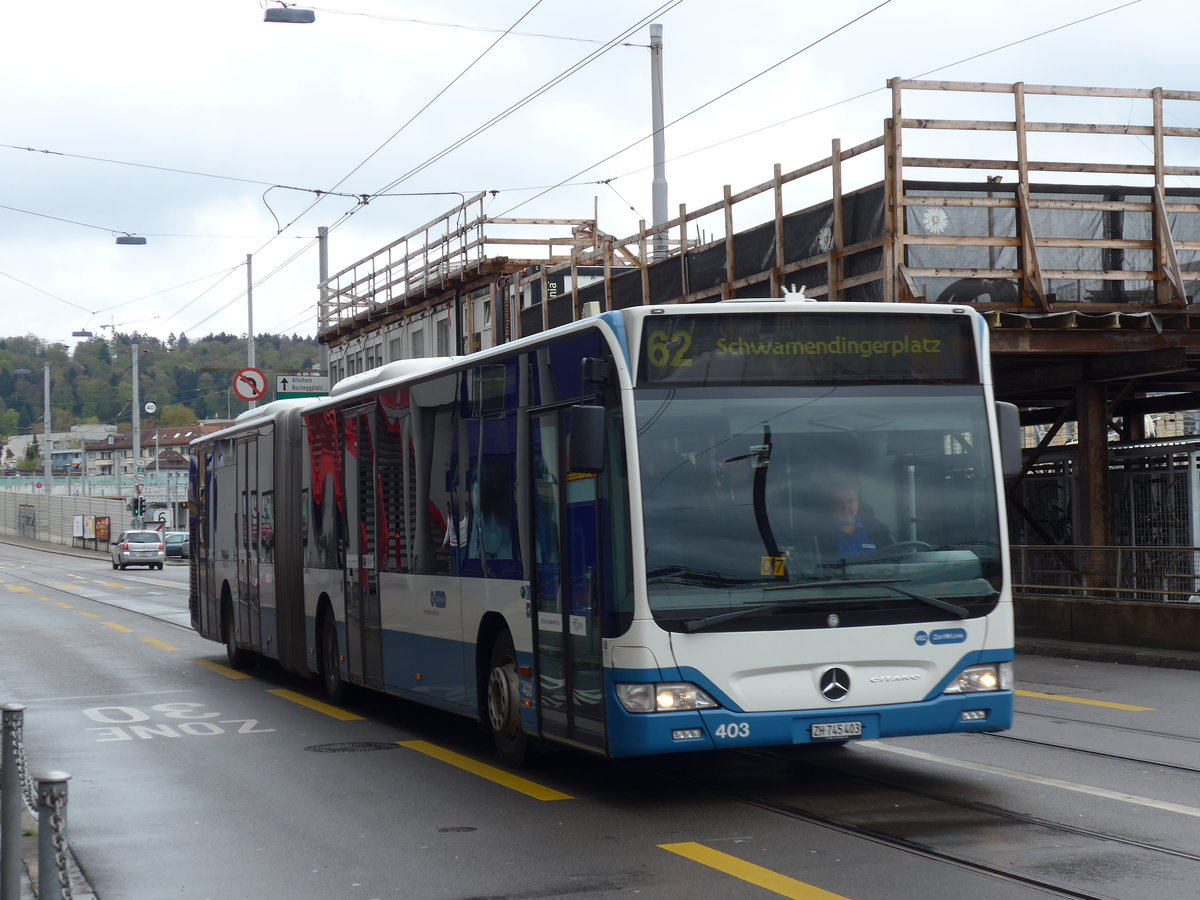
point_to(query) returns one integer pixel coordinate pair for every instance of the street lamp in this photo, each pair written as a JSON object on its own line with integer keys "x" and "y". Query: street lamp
{"x": 290, "y": 14}
{"x": 130, "y": 239}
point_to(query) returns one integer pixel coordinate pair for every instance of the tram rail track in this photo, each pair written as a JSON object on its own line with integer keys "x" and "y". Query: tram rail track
{"x": 1102, "y": 754}
{"x": 1107, "y": 726}
{"x": 924, "y": 849}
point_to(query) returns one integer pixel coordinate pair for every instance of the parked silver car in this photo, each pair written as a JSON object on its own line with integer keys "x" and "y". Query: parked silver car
{"x": 138, "y": 548}
{"x": 178, "y": 544}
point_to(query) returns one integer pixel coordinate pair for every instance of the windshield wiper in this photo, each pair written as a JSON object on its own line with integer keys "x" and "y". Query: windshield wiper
{"x": 890, "y": 584}
{"x": 686, "y": 575}
{"x": 693, "y": 625}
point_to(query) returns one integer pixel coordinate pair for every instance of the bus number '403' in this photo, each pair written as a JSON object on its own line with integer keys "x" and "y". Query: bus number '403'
{"x": 733, "y": 730}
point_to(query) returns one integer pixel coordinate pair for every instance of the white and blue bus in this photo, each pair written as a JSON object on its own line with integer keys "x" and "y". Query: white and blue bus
{"x": 656, "y": 530}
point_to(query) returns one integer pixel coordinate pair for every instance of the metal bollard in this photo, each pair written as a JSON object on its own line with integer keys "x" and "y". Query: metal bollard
{"x": 53, "y": 878}
{"x": 10, "y": 802}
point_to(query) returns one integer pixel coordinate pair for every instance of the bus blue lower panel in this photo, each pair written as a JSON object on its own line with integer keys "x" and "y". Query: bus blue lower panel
{"x": 632, "y": 734}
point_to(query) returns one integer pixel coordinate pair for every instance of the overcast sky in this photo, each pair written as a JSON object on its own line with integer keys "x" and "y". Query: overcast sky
{"x": 191, "y": 123}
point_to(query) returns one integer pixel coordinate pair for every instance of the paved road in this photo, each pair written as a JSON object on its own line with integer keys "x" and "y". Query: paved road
{"x": 191, "y": 780}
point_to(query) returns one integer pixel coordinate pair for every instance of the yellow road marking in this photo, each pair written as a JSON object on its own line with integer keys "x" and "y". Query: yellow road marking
{"x": 331, "y": 711}
{"x": 63, "y": 605}
{"x": 80, "y": 612}
{"x": 17, "y": 588}
{"x": 220, "y": 669}
{"x": 112, "y": 584}
{"x": 64, "y": 587}
{"x": 155, "y": 642}
{"x": 121, "y": 628}
{"x": 491, "y": 773}
{"x": 1063, "y": 699}
{"x": 749, "y": 872}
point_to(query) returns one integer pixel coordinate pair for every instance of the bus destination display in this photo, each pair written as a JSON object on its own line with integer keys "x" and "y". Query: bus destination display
{"x": 809, "y": 349}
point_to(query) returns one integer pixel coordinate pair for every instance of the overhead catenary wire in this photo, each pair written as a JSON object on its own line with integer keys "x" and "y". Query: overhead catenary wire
{"x": 371, "y": 155}
{"x": 876, "y": 90}
{"x": 711, "y": 101}
{"x": 534, "y": 94}
{"x": 931, "y": 71}
{"x": 571, "y": 70}
{"x": 479, "y": 28}
{"x": 608, "y": 182}
{"x": 363, "y": 199}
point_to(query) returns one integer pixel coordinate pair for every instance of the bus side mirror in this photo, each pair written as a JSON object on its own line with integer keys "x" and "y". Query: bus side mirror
{"x": 585, "y": 446}
{"x": 1008, "y": 423}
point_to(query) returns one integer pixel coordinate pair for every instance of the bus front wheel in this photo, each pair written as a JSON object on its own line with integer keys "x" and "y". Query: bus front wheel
{"x": 504, "y": 702}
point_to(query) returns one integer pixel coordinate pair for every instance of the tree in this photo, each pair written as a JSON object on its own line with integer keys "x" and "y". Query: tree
{"x": 176, "y": 414}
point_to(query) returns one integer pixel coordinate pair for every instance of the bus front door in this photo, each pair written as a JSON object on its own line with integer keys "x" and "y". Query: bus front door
{"x": 364, "y": 634}
{"x": 566, "y": 591}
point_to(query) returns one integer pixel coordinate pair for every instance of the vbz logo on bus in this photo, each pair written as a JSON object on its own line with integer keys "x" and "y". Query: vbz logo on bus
{"x": 437, "y": 599}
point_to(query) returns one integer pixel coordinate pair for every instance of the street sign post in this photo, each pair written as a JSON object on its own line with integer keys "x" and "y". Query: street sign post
{"x": 301, "y": 386}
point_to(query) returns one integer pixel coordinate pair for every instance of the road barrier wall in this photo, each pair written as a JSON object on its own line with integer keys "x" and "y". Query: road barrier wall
{"x": 52, "y": 518}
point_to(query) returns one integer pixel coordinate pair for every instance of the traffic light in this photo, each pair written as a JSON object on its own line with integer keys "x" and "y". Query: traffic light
{"x": 139, "y": 506}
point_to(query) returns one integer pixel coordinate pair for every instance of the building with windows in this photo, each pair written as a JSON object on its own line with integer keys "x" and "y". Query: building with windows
{"x": 163, "y": 448}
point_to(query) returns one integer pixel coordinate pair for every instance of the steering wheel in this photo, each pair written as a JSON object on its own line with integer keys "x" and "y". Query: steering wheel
{"x": 914, "y": 546}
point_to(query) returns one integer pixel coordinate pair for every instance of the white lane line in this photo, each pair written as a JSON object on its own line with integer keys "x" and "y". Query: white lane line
{"x": 1119, "y": 796}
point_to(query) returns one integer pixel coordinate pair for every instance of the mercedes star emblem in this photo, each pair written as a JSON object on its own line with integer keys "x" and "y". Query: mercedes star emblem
{"x": 835, "y": 684}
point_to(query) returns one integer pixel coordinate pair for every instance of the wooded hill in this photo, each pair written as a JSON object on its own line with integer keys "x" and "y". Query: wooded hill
{"x": 188, "y": 380}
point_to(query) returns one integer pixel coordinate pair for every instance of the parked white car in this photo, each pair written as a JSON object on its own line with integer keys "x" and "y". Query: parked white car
{"x": 138, "y": 548}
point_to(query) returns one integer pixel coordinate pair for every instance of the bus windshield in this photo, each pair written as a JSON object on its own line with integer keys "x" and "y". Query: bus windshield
{"x": 780, "y": 507}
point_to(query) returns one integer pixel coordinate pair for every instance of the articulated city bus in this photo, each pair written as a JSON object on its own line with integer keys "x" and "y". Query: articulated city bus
{"x": 660, "y": 529}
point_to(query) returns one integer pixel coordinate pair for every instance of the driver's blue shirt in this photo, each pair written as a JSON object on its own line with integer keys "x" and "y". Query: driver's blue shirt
{"x": 856, "y": 544}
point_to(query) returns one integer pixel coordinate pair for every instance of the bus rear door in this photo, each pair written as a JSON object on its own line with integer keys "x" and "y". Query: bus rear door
{"x": 364, "y": 647}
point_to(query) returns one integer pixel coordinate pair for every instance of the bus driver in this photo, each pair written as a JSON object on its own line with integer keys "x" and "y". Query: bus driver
{"x": 853, "y": 531}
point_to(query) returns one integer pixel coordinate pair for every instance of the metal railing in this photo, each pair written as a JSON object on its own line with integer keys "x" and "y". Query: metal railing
{"x": 1154, "y": 574}
{"x": 49, "y": 799}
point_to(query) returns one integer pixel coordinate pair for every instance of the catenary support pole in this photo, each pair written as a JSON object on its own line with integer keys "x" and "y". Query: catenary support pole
{"x": 250, "y": 319}
{"x": 659, "y": 185}
{"x": 323, "y": 309}
{"x": 47, "y": 456}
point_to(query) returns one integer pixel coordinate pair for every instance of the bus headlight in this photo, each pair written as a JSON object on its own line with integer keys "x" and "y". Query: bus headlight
{"x": 663, "y": 697}
{"x": 977, "y": 679}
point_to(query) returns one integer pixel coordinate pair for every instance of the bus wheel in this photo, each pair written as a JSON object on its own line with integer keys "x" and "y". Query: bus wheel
{"x": 504, "y": 702}
{"x": 239, "y": 657}
{"x": 331, "y": 672}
